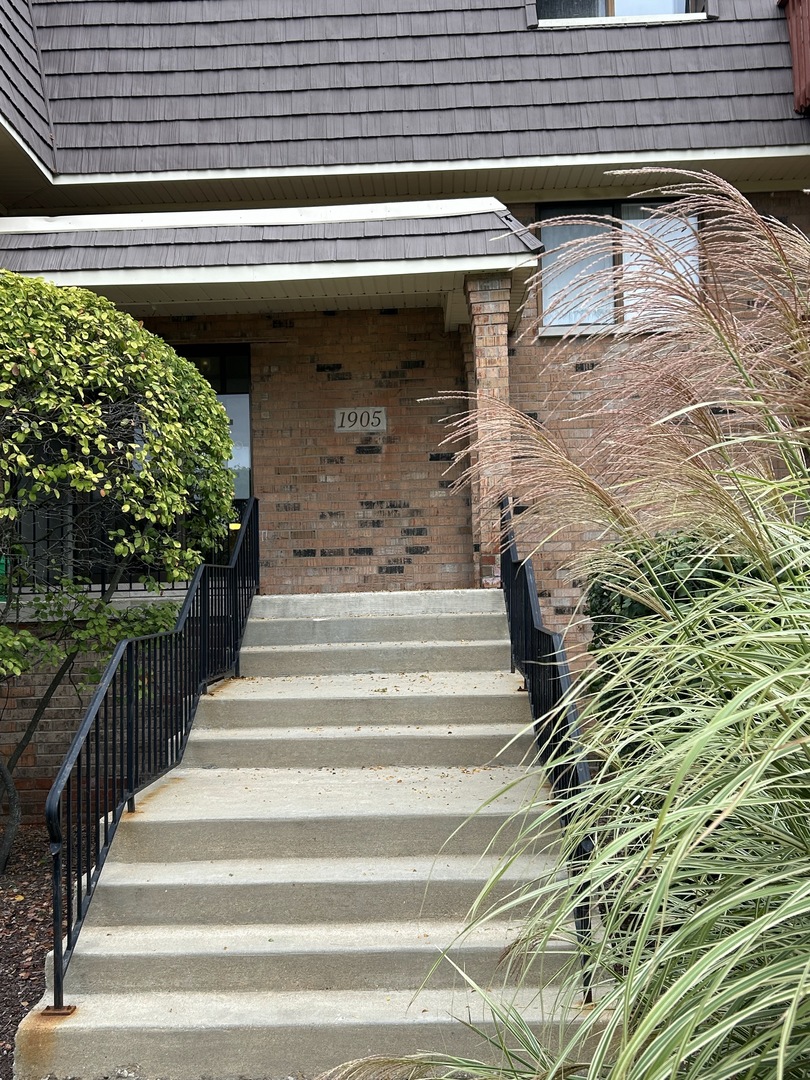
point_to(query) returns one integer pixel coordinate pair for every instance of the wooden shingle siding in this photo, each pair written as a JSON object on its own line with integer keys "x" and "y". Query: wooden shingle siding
{"x": 798, "y": 19}
{"x": 360, "y": 241}
{"x": 22, "y": 102}
{"x": 152, "y": 86}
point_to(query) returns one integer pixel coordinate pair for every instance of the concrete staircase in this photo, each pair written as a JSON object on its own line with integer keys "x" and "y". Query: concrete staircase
{"x": 273, "y": 906}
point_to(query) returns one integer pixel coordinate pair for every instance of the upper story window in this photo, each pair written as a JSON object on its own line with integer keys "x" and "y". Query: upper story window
{"x": 603, "y": 260}
{"x": 569, "y": 10}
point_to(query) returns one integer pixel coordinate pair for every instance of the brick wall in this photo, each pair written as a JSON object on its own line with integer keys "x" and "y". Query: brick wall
{"x": 350, "y": 511}
{"x": 791, "y": 207}
{"x": 550, "y": 391}
{"x": 553, "y": 393}
{"x": 341, "y": 512}
{"x": 43, "y": 756}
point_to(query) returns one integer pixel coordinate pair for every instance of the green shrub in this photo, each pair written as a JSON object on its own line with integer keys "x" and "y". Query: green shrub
{"x": 113, "y": 458}
{"x": 642, "y": 579}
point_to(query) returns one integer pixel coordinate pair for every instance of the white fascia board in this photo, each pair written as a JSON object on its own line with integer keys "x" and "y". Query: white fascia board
{"x": 213, "y": 275}
{"x": 604, "y": 160}
{"x": 303, "y": 215}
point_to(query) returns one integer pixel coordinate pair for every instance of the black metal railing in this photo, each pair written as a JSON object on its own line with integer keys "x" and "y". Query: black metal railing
{"x": 72, "y": 536}
{"x": 136, "y": 728}
{"x": 539, "y": 655}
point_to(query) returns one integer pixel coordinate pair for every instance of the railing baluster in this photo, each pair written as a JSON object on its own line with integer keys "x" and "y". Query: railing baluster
{"x": 96, "y": 792}
{"x": 166, "y": 707}
{"x": 129, "y": 668}
{"x": 56, "y": 901}
{"x": 69, "y": 789}
{"x": 109, "y": 759}
{"x": 79, "y": 833}
{"x": 136, "y": 728}
{"x": 151, "y": 679}
{"x": 117, "y": 739}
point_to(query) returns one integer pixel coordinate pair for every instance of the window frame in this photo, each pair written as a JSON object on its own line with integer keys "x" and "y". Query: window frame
{"x": 709, "y": 12}
{"x": 613, "y": 208}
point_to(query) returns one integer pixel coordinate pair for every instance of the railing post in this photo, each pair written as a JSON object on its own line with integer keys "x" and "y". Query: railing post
{"x": 205, "y": 619}
{"x": 235, "y": 621}
{"x": 130, "y": 720}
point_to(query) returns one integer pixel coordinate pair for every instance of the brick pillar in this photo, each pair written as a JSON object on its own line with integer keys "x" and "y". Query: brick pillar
{"x": 488, "y": 302}
{"x": 475, "y": 487}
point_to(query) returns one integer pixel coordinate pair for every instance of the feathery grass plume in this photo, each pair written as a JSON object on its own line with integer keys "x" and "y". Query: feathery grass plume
{"x": 701, "y": 398}
{"x": 696, "y": 711}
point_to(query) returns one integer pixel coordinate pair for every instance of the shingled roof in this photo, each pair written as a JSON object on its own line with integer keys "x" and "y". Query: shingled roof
{"x": 470, "y": 229}
{"x": 419, "y": 252}
{"x": 145, "y": 86}
{"x": 22, "y": 98}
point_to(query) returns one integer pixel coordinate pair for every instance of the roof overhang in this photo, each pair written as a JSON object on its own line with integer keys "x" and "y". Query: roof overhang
{"x": 121, "y": 257}
{"x": 22, "y": 172}
{"x": 528, "y": 178}
{"x": 765, "y": 163}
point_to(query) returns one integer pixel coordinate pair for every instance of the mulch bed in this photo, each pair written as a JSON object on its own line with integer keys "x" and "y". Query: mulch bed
{"x": 25, "y": 934}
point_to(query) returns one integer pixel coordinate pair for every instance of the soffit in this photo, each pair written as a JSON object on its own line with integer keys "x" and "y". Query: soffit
{"x": 510, "y": 181}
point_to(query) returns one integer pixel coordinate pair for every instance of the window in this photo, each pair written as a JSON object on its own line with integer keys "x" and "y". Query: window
{"x": 617, "y": 9}
{"x": 595, "y": 271}
{"x": 227, "y": 368}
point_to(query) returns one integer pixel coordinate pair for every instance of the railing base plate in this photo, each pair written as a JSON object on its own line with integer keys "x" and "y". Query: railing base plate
{"x": 59, "y": 1010}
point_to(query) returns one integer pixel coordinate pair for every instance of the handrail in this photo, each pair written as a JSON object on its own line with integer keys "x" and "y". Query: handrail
{"x": 539, "y": 655}
{"x": 136, "y": 726}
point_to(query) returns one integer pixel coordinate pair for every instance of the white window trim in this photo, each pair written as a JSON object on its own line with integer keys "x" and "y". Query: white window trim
{"x": 621, "y": 20}
{"x": 559, "y": 330}
{"x": 532, "y": 22}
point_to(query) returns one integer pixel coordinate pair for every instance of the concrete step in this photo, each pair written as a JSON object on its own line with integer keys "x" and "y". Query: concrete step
{"x": 425, "y": 697}
{"x": 272, "y": 906}
{"x": 272, "y": 1034}
{"x": 374, "y": 628}
{"x": 198, "y": 814}
{"x": 386, "y": 657}
{"x": 301, "y": 890}
{"x": 340, "y": 605}
{"x": 372, "y": 744}
{"x": 271, "y": 956}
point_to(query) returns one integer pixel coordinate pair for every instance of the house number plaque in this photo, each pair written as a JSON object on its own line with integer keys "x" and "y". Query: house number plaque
{"x": 360, "y": 419}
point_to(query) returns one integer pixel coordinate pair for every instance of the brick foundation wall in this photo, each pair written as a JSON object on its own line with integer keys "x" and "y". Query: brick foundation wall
{"x": 350, "y": 511}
